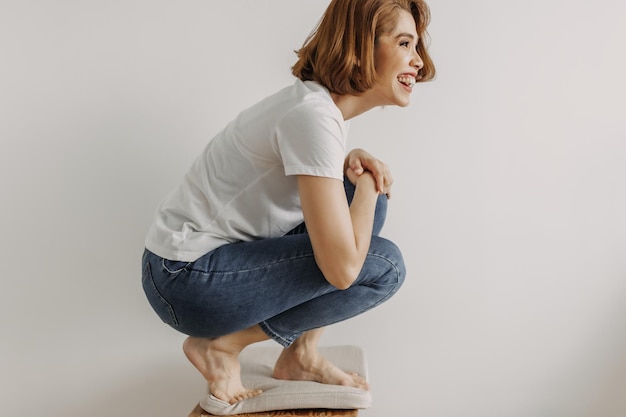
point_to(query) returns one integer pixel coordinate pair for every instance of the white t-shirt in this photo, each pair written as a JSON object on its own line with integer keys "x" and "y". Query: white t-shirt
{"x": 242, "y": 187}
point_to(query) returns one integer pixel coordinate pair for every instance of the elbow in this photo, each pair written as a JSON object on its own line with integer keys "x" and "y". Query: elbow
{"x": 343, "y": 278}
{"x": 343, "y": 285}
{"x": 340, "y": 271}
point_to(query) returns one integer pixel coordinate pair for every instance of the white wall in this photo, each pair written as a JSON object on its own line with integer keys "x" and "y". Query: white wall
{"x": 509, "y": 201}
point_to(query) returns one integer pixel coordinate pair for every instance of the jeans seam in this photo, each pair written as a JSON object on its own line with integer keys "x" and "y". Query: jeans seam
{"x": 396, "y": 285}
{"x": 256, "y": 267}
{"x": 168, "y": 306}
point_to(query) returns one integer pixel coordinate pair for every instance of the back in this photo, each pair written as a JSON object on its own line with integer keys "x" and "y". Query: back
{"x": 242, "y": 187}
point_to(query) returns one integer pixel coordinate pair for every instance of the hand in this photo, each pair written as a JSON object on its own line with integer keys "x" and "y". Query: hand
{"x": 359, "y": 161}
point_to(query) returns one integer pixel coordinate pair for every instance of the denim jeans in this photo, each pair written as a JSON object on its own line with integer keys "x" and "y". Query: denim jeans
{"x": 272, "y": 282}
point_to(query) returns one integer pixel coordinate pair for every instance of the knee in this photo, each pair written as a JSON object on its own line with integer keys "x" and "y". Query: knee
{"x": 389, "y": 260}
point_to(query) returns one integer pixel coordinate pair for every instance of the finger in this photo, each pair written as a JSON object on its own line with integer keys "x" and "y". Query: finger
{"x": 370, "y": 164}
{"x": 385, "y": 177}
{"x": 389, "y": 180}
{"x": 352, "y": 176}
{"x": 356, "y": 166}
{"x": 380, "y": 181}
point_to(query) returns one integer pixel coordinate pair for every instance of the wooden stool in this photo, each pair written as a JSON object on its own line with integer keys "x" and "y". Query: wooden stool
{"x": 199, "y": 412}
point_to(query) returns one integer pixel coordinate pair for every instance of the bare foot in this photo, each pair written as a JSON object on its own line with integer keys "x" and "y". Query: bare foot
{"x": 299, "y": 364}
{"x": 216, "y": 359}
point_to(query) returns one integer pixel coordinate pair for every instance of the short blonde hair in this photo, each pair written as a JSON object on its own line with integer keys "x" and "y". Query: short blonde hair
{"x": 339, "y": 53}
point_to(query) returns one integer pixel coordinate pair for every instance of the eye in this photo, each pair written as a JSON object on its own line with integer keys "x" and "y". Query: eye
{"x": 404, "y": 44}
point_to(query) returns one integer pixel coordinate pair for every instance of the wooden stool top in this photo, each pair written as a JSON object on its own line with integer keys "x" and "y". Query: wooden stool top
{"x": 199, "y": 412}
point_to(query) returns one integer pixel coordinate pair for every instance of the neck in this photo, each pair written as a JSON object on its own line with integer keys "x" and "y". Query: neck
{"x": 352, "y": 106}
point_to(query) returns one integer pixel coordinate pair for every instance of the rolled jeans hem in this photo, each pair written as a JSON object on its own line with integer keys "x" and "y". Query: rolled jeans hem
{"x": 275, "y": 336}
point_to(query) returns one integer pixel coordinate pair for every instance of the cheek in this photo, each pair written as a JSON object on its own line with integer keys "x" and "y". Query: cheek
{"x": 382, "y": 59}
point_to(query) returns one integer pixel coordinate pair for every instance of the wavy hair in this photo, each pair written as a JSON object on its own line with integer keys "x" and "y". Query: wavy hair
{"x": 339, "y": 53}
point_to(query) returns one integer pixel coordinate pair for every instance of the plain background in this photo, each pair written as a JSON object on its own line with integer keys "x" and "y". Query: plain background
{"x": 509, "y": 201}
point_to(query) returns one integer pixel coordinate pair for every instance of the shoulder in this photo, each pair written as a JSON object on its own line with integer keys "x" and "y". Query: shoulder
{"x": 312, "y": 108}
{"x": 313, "y": 95}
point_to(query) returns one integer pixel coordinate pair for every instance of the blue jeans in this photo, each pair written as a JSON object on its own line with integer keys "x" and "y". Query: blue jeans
{"x": 274, "y": 283}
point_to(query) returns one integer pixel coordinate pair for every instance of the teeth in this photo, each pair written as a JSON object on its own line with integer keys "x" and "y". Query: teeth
{"x": 407, "y": 80}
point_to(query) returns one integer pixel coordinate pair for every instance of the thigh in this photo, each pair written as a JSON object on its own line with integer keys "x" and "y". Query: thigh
{"x": 242, "y": 284}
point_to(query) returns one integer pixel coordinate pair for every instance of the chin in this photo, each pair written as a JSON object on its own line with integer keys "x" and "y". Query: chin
{"x": 402, "y": 100}
{"x": 402, "y": 103}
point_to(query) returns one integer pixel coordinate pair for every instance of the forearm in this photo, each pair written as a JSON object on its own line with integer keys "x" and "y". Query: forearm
{"x": 362, "y": 212}
{"x": 340, "y": 235}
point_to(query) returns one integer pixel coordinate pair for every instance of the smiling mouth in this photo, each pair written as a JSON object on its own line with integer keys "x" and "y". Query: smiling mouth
{"x": 407, "y": 80}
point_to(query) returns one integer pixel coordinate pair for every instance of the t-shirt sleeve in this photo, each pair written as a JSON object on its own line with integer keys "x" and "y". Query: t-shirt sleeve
{"x": 311, "y": 140}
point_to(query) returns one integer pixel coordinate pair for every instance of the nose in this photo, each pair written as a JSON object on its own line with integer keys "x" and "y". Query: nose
{"x": 416, "y": 60}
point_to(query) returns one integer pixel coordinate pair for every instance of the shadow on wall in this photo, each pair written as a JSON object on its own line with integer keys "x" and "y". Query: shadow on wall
{"x": 163, "y": 390}
{"x": 609, "y": 400}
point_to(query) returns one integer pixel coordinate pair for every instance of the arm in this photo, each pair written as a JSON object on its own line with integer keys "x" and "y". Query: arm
{"x": 340, "y": 235}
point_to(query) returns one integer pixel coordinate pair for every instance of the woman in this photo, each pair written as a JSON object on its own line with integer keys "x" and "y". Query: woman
{"x": 229, "y": 260}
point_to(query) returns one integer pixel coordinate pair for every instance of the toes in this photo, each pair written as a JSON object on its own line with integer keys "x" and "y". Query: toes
{"x": 221, "y": 395}
{"x": 244, "y": 395}
{"x": 359, "y": 381}
{"x": 252, "y": 393}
